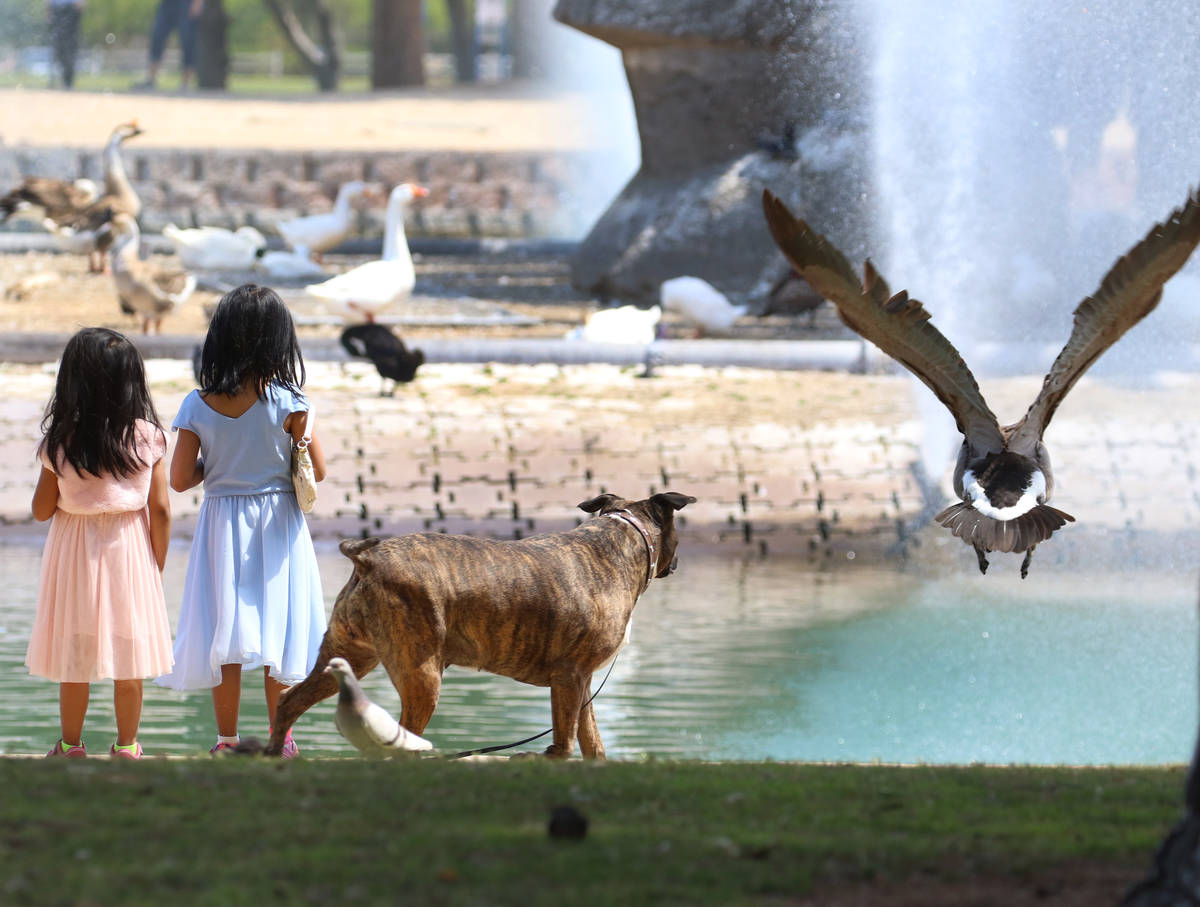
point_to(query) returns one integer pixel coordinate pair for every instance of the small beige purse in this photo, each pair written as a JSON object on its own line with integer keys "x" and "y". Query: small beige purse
{"x": 303, "y": 479}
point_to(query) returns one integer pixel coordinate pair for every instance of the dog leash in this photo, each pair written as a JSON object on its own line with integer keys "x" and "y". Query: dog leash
{"x": 507, "y": 746}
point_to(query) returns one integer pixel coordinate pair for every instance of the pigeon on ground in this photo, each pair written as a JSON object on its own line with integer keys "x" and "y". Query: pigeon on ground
{"x": 369, "y": 727}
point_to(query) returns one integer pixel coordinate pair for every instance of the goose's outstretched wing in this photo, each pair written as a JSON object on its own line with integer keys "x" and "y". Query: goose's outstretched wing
{"x": 1129, "y": 292}
{"x": 898, "y": 325}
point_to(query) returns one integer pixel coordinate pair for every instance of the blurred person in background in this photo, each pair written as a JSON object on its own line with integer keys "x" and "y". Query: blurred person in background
{"x": 183, "y": 17}
{"x": 63, "y": 19}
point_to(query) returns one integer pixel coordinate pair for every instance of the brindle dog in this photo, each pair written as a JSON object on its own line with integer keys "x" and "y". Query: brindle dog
{"x": 547, "y": 610}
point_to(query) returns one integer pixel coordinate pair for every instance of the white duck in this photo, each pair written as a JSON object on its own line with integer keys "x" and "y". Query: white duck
{"x": 368, "y": 726}
{"x": 363, "y": 292}
{"x": 699, "y": 303}
{"x": 319, "y": 233}
{"x": 215, "y": 248}
{"x": 625, "y": 324}
{"x": 288, "y": 264}
{"x": 143, "y": 289}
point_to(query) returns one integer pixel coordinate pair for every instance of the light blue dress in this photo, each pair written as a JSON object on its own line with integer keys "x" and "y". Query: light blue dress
{"x": 252, "y": 595}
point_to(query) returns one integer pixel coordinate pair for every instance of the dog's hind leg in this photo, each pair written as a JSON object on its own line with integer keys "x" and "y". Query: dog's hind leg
{"x": 318, "y": 685}
{"x": 419, "y": 688}
{"x": 590, "y": 745}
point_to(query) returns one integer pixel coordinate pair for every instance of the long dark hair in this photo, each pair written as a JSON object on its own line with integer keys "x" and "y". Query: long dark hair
{"x": 251, "y": 342}
{"x": 99, "y": 396}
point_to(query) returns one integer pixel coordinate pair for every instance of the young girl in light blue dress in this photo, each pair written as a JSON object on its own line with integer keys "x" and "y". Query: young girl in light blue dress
{"x": 252, "y": 596}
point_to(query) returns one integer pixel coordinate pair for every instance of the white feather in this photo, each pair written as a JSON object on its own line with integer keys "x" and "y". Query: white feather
{"x": 1029, "y": 499}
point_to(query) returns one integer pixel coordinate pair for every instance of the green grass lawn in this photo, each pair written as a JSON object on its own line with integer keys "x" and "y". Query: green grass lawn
{"x": 346, "y": 831}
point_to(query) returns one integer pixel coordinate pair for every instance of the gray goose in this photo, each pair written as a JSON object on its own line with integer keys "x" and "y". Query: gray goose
{"x": 143, "y": 289}
{"x": 1003, "y": 474}
{"x": 75, "y": 214}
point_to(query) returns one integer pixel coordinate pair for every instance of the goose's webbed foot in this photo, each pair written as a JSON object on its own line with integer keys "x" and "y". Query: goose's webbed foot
{"x": 983, "y": 561}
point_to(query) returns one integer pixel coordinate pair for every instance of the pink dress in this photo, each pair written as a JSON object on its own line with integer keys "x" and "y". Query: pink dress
{"x": 101, "y": 612}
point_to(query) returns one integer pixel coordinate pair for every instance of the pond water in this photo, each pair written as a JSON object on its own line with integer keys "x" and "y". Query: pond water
{"x": 736, "y": 659}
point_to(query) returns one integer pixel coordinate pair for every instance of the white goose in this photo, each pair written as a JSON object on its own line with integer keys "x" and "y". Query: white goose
{"x": 319, "y": 233}
{"x": 625, "y": 324}
{"x": 363, "y": 292}
{"x": 288, "y": 264}
{"x": 143, "y": 289}
{"x": 215, "y": 248}
{"x": 700, "y": 303}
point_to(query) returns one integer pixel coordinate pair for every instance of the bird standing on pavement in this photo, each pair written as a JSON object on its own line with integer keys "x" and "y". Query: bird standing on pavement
{"x": 1003, "y": 473}
{"x": 391, "y": 357}
{"x": 368, "y": 727}
{"x": 142, "y": 288}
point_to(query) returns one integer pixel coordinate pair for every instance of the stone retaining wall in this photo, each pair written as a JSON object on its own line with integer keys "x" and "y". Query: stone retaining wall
{"x": 471, "y": 194}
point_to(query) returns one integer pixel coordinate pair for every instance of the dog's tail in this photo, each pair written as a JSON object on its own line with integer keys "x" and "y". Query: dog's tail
{"x": 355, "y": 548}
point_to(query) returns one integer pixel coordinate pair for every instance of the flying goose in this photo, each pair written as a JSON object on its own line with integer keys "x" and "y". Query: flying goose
{"x": 143, "y": 289}
{"x": 1003, "y": 474}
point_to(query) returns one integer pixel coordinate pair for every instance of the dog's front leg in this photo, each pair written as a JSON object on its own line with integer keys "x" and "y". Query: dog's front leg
{"x": 590, "y": 746}
{"x": 567, "y": 694}
{"x": 296, "y": 700}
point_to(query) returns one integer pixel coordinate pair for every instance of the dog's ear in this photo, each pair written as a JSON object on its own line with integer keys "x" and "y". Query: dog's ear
{"x": 356, "y": 548}
{"x": 598, "y": 503}
{"x": 673, "y": 499}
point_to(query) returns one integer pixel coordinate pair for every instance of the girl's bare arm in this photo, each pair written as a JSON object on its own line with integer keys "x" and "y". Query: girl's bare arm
{"x": 160, "y": 514}
{"x": 45, "y": 496}
{"x": 294, "y": 425}
{"x": 187, "y": 469}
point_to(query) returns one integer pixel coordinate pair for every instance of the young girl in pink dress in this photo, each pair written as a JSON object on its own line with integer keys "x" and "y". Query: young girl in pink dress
{"x": 100, "y": 611}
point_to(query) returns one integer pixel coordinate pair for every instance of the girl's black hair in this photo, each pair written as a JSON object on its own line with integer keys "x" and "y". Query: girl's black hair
{"x": 251, "y": 342}
{"x": 99, "y": 396}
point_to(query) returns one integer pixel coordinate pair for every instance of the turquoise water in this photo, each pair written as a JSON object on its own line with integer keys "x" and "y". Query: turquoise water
{"x": 771, "y": 659}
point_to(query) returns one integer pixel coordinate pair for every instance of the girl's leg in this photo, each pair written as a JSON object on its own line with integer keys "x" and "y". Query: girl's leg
{"x": 72, "y": 707}
{"x": 127, "y": 703}
{"x": 227, "y": 699}
{"x": 273, "y": 689}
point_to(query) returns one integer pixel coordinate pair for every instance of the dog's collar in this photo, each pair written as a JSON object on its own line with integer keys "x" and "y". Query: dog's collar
{"x": 627, "y": 517}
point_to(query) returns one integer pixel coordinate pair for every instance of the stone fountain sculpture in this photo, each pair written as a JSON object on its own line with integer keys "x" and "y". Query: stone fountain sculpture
{"x": 731, "y": 96}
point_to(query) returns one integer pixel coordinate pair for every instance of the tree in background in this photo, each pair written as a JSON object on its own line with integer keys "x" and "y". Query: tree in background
{"x": 320, "y": 55}
{"x": 397, "y": 44}
{"x": 212, "y": 59}
{"x": 462, "y": 39}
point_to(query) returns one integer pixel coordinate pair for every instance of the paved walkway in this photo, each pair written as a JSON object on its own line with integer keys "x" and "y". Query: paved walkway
{"x": 514, "y": 117}
{"x": 805, "y": 463}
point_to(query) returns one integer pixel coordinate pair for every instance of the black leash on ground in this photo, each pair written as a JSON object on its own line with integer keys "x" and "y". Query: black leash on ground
{"x": 509, "y": 746}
